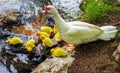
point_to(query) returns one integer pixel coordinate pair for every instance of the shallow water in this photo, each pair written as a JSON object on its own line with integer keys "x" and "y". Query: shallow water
{"x": 69, "y": 7}
{"x": 15, "y": 59}
{"x": 3, "y": 69}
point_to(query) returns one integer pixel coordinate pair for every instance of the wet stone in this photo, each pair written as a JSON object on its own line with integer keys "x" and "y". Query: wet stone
{"x": 16, "y": 59}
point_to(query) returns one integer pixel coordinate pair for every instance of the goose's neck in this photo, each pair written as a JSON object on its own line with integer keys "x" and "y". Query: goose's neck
{"x": 61, "y": 24}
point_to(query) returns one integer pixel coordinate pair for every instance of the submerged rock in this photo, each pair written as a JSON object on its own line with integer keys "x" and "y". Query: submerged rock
{"x": 54, "y": 65}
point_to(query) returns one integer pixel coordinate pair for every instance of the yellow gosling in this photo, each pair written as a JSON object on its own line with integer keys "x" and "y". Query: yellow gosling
{"x": 38, "y": 34}
{"x": 58, "y": 52}
{"x": 14, "y": 41}
{"x": 46, "y": 41}
{"x": 57, "y": 37}
{"x": 30, "y": 45}
{"x": 55, "y": 29}
{"x": 47, "y": 29}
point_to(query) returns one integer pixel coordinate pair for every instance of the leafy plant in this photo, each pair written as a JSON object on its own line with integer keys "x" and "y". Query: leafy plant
{"x": 95, "y": 10}
{"x": 45, "y": 51}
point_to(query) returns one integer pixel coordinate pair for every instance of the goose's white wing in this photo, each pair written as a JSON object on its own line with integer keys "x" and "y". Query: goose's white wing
{"x": 78, "y": 23}
{"x": 79, "y": 33}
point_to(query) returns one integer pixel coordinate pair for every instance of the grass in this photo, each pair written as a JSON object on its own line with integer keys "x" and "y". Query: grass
{"x": 112, "y": 2}
{"x": 96, "y": 10}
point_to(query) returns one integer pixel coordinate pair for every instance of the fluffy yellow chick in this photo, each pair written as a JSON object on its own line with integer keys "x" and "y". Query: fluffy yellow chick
{"x": 46, "y": 41}
{"x": 47, "y": 29}
{"x": 30, "y": 45}
{"x": 58, "y": 52}
{"x": 14, "y": 41}
{"x": 55, "y": 29}
{"x": 57, "y": 37}
{"x": 38, "y": 34}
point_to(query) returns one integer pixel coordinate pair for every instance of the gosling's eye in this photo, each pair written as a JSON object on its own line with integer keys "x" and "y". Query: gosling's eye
{"x": 47, "y": 9}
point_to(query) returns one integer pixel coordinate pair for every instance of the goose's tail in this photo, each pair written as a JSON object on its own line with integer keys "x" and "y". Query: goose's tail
{"x": 109, "y": 32}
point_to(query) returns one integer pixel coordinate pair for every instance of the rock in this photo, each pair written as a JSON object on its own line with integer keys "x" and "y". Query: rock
{"x": 116, "y": 54}
{"x": 54, "y": 65}
{"x": 4, "y": 33}
{"x": 17, "y": 11}
{"x": 16, "y": 59}
{"x": 9, "y": 17}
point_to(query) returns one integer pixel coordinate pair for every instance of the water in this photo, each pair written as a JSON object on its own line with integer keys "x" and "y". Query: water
{"x": 5, "y": 5}
{"x": 69, "y": 7}
{"x": 15, "y": 59}
{"x": 3, "y": 69}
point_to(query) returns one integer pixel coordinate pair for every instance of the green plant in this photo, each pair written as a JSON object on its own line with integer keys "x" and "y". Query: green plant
{"x": 111, "y": 2}
{"x": 117, "y": 66}
{"x": 45, "y": 51}
{"x": 95, "y": 10}
{"x": 118, "y": 33}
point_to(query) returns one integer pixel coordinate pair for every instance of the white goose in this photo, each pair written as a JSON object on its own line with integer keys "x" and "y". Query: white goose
{"x": 77, "y": 32}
